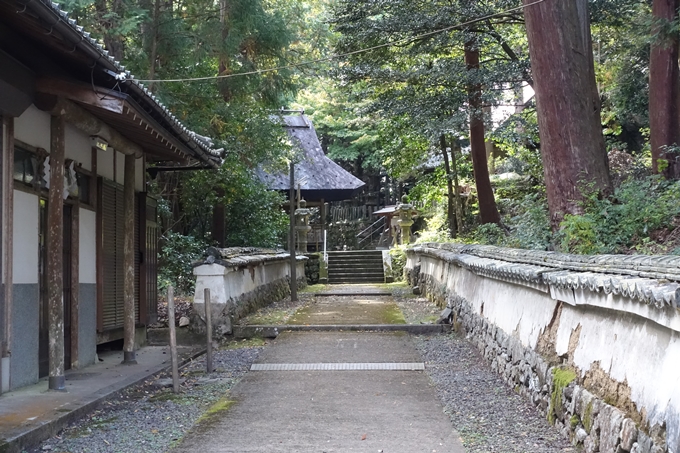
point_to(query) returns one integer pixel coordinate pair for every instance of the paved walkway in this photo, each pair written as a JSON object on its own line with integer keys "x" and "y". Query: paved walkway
{"x": 334, "y": 410}
{"x": 330, "y": 411}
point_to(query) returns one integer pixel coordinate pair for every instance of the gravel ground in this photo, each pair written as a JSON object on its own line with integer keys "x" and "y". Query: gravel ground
{"x": 150, "y": 418}
{"x": 489, "y": 416}
{"x": 416, "y": 310}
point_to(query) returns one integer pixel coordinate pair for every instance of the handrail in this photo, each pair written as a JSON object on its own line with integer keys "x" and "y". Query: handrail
{"x": 375, "y": 226}
{"x": 381, "y": 219}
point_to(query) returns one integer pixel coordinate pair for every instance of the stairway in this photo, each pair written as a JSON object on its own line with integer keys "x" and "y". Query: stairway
{"x": 361, "y": 266}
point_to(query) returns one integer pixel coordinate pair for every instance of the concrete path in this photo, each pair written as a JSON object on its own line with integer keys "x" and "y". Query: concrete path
{"x": 330, "y": 411}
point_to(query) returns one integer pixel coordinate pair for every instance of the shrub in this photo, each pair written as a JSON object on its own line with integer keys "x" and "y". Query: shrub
{"x": 530, "y": 229}
{"x": 611, "y": 225}
{"x": 177, "y": 253}
{"x": 398, "y": 258}
{"x": 489, "y": 233}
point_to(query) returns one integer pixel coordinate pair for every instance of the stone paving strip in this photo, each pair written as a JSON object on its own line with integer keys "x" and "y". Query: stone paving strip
{"x": 337, "y": 367}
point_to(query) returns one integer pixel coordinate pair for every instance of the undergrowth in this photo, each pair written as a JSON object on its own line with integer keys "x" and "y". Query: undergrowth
{"x": 640, "y": 217}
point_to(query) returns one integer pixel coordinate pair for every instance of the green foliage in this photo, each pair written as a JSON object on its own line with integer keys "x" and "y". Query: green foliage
{"x": 398, "y": 258}
{"x": 530, "y": 228}
{"x": 489, "y": 233}
{"x": 343, "y": 233}
{"x": 612, "y": 225}
{"x": 177, "y": 253}
{"x": 253, "y": 216}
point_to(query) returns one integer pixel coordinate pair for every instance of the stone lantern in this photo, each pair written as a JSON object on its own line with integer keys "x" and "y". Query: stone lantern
{"x": 302, "y": 226}
{"x": 405, "y": 213}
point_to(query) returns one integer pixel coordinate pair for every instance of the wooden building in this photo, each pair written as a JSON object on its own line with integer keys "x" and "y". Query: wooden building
{"x": 78, "y": 238}
{"x": 318, "y": 178}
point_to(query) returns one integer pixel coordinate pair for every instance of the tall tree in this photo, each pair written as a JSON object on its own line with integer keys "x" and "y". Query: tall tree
{"x": 572, "y": 146}
{"x": 488, "y": 211}
{"x": 663, "y": 89}
{"x": 427, "y": 78}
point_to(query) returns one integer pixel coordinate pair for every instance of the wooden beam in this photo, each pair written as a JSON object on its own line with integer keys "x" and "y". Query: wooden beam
{"x": 87, "y": 123}
{"x": 112, "y": 101}
{"x": 55, "y": 257}
{"x": 129, "y": 261}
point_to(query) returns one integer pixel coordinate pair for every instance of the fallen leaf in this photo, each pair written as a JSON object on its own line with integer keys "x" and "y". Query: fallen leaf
{"x": 363, "y": 437}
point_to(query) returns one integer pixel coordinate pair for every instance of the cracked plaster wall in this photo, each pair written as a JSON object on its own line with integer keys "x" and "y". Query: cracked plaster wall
{"x": 624, "y": 350}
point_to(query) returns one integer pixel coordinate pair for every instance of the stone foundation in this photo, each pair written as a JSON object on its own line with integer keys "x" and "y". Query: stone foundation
{"x": 312, "y": 268}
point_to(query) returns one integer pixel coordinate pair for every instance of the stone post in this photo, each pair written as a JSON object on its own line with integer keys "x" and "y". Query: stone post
{"x": 405, "y": 221}
{"x": 302, "y": 226}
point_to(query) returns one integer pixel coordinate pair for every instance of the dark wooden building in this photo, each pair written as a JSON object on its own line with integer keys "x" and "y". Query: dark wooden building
{"x": 78, "y": 236}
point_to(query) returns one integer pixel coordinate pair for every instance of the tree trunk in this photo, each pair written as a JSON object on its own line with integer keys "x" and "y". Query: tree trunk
{"x": 111, "y": 17}
{"x": 450, "y": 215}
{"x": 487, "y": 203}
{"x": 568, "y": 105}
{"x": 663, "y": 89}
{"x": 456, "y": 187}
{"x": 153, "y": 53}
{"x": 224, "y": 69}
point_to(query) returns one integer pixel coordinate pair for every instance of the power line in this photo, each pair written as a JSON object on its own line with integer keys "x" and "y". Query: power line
{"x": 346, "y": 54}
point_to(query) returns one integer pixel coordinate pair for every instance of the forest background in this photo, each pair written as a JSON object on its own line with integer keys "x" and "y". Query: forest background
{"x": 521, "y": 124}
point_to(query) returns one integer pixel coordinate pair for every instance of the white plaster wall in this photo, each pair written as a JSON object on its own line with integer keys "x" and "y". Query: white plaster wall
{"x": 633, "y": 342}
{"x": 120, "y": 166}
{"x": 227, "y": 283}
{"x": 230, "y": 283}
{"x": 105, "y": 163}
{"x": 630, "y": 349}
{"x": 25, "y": 247}
{"x": 33, "y": 128}
{"x": 78, "y": 147}
{"x": 87, "y": 257}
{"x": 526, "y": 319}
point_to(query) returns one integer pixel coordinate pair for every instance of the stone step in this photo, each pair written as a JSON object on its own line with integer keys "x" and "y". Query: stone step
{"x": 357, "y": 272}
{"x": 338, "y": 280}
{"x": 354, "y": 260}
{"x": 341, "y": 267}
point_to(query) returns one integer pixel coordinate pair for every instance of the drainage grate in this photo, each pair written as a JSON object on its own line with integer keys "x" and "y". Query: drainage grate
{"x": 417, "y": 366}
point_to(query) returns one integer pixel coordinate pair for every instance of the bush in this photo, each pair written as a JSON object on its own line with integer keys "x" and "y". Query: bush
{"x": 489, "y": 233}
{"x": 530, "y": 229}
{"x": 177, "y": 253}
{"x": 343, "y": 233}
{"x": 398, "y": 258}
{"x": 612, "y": 225}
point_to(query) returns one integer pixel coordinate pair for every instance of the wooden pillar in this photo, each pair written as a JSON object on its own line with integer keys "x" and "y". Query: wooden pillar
{"x": 7, "y": 189}
{"x": 75, "y": 283}
{"x": 129, "y": 261}
{"x": 55, "y": 257}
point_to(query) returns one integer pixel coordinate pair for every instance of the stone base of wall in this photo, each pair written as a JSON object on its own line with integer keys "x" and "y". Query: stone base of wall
{"x": 247, "y": 303}
{"x": 312, "y": 268}
{"x": 586, "y": 420}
